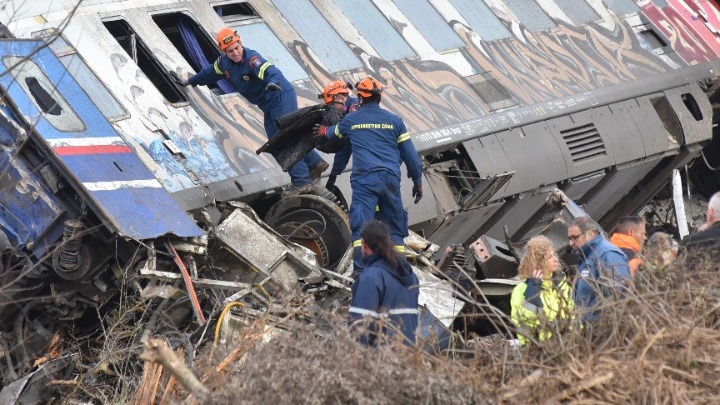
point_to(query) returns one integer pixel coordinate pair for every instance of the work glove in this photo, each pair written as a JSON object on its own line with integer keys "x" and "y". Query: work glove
{"x": 331, "y": 181}
{"x": 417, "y": 192}
{"x": 319, "y": 130}
{"x": 272, "y": 87}
{"x": 178, "y": 79}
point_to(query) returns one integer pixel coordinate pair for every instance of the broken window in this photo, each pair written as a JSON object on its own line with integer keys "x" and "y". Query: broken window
{"x": 492, "y": 92}
{"x": 143, "y": 57}
{"x": 43, "y": 94}
{"x": 255, "y": 34}
{"x": 330, "y": 48}
{"x": 195, "y": 46}
{"x": 481, "y": 19}
{"x": 650, "y": 39}
{"x": 431, "y": 24}
{"x": 375, "y": 27}
{"x": 86, "y": 78}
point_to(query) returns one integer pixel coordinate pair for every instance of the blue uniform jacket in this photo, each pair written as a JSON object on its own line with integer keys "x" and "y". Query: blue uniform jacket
{"x": 381, "y": 291}
{"x": 379, "y": 142}
{"x": 249, "y": 76}
{"x": 603, "y": 268}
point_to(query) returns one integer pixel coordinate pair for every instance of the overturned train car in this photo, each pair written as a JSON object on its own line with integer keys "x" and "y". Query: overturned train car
{"x": 103, "y": 154}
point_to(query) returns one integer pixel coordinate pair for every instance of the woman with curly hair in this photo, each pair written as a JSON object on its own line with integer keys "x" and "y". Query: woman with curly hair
{"x": 544, "y": 296}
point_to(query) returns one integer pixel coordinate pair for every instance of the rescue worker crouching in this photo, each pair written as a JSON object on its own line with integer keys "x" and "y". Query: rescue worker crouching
{"x": 386, "y": 291}
{"x": 379, "y": 141}
{"x": 544, "y": 296}
{"x": 263, "y": 85}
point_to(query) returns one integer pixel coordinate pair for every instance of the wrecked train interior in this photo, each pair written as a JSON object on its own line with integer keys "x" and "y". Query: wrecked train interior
{"x": 117, "y": 181}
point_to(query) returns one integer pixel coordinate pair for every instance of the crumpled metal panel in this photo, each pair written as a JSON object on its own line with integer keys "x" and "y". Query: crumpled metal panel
{"x": 494, "y": 257}
{"x": 266, "y": 251}
{"x": 438, "y": 296}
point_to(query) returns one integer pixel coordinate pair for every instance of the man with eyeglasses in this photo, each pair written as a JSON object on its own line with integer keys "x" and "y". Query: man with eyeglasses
{"x": 602, "y": 269}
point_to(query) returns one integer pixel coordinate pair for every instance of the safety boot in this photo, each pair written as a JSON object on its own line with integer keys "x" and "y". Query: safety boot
{"x": 294, "y": 189}
{"x": 318, "y": 170}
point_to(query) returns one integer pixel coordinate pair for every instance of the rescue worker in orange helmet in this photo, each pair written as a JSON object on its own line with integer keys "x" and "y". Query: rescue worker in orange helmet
{"x": 379, "y": 142}
{"x": 336, "y": 96}
{"x": 263, "y": 85}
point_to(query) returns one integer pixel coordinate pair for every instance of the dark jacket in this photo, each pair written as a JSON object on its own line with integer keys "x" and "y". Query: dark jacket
{"x": 603, "y": 267}
{"x": 379, "y": 142}
{"x": 382, "y": 292}
{"x": 700, "y": 241}
{"x": 249, "y": 77}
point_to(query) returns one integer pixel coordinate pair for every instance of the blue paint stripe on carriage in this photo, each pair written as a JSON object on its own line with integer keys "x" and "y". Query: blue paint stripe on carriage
{"x": 107, "y": 167}
{"x": 141, "y": 213}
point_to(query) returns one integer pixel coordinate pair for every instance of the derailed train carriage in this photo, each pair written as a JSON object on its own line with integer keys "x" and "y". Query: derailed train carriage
{"x": 109, "y": 167}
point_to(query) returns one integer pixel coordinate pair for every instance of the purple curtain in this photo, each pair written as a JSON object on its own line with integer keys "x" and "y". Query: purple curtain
{"x": 195, "y": 53}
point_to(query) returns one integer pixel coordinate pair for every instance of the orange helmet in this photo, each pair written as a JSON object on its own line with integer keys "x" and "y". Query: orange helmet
{"x": 334, "y": 88}
{"x": 226, "y": 37}
{"x": 368, "y": 87}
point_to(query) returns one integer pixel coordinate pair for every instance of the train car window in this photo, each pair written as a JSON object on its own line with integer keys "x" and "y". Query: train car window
{"x": 327, "y": 44}
{"x": 43, "y": 94}
{"x": 622, "y": 7}
{"x": 255, "y": 34}
{"x": 492, "y": 92}
{"x": 431, "y": 24}
{"x": 578, "y": 12}
{"x": 98, "y": 92}
{"x": 376, "y": 28}
{"x": 146, "y": 61}
{"x": 531, "y": 15}
{"x": 481, "y": 19}
{"x": 194, "y": 44}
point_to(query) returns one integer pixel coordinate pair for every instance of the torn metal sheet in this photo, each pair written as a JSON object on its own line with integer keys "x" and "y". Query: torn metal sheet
{"x": 265, "y": 251}
{"x": 438, "y": 296}
{"x": 30, "y": 390}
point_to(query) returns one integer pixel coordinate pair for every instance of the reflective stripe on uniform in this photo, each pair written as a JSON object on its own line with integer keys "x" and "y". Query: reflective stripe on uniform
{"x": 400, "y": 248}
{"x": 531, "y": 307}
{"x": 362, "y": 311}
{"x": 337, "y": 132}
{"x": 403, "y": 311}
{"x": 357, "y": 243}
{"x": 396, "y": 311}
{"x": 264, "y": 66}
{"x": 217, "y": 67}
{"x": 403, "y": 137}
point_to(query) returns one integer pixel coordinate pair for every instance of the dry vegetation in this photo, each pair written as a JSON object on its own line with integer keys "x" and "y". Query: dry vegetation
{"x": 659, "y": 344}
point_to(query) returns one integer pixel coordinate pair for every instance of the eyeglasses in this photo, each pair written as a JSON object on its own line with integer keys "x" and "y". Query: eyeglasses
{"x": 574, "y": 238}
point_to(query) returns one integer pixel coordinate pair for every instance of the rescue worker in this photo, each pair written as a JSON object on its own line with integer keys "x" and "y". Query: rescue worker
{"x": 336, "y": 95}
{"x": 379, "y": 142}
{"x": 544, "y": 296}
{"x": 263, "y": 85}
{"x": 603, "y": 267}
{"x": 386, "y": 291}
{"x": 630, "y": 236}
